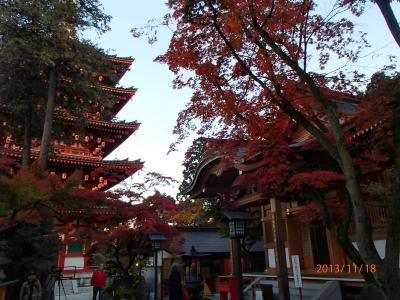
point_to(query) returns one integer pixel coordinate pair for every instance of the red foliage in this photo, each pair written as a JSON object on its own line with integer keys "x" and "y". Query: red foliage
{"x": 312, "y": 212}
{"x": 318, "y": 179}
{"x": 7, "y": 166}
{"x": 30, "y": 195}
{"x": 249, "y": 65}
{"x": 136, "y": 221}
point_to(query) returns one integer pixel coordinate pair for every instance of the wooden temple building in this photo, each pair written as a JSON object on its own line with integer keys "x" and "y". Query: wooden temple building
{"x": 284, "y": 233}
{"x": 71, "y": 151}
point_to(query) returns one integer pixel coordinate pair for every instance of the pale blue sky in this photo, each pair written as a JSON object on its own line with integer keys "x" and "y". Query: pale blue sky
{"x": 156, "y": 104}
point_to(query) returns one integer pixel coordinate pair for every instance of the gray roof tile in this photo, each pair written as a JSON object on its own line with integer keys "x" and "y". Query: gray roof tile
{"x": 209, "y": 241}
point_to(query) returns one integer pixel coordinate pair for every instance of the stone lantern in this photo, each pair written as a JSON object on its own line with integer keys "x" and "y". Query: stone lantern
{"x": 192, "y": 275}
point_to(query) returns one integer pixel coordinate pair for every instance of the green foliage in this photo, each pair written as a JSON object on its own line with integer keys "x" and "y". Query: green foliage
{"x": 20, "y": 90}
{"x": 55, "y": 24}
{"x": 31, "y": 247}
{"x": 199, "y": 212}
{"x": 22, "y": 193}
{"x": 40, "y": 36}
{"x": 193, "y": 157}
{"x": 196, "y": 212}
{"x": 380, "y": 190}
{"x": 132, "y": 287}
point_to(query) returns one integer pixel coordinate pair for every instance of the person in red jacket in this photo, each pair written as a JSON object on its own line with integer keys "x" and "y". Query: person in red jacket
{"x": 99, "y": 282}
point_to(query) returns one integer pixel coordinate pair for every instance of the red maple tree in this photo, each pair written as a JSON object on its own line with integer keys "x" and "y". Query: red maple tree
{"x": 123, "y": 239}
{"x": 119, "y": 221}
{"x": 248, "y": 63}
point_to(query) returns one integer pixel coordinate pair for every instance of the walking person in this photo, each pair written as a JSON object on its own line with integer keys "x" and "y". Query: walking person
{"x": 99, "y": 282}
{"x": 175, "y": 284}
{"x": 31, "y": 288}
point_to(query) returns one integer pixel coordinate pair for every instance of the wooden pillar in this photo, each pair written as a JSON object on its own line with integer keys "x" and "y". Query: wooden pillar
{"x": 308, "y": 258}
{"x": 231, "y": 254}
{"x": 237, "y": 266}
{"x": 336, "y": 253}
{"x": 280, "y": 254}
{"x": 156, "y": 275}
{"x": 3, "y": 293}
{"x": 264, "y": 229}
{"x": 294, "y": 238}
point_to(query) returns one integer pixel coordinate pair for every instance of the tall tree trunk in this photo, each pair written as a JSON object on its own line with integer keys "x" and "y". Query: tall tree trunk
{"x": 341, "y": 232}
{"x": 48, "y": 120}
{"x": 392, "y": 251}
{"x": 390, "y": 18}
{"x": 340, "y": 151}
{"x": 361, "y": 219}
{"x": 26, "y": 153}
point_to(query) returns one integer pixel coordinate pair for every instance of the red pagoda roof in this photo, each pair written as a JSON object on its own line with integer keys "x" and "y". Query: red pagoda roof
{"x": 89, "y": 161}
{"x": 128, "y": 60}
{"x": 120, "y": 91}
{"x": 123, "y": 94}
{"x": 103, "y": 136}
{"x": 122, "y": 65}
{"x": 113, "y": 126}
{"x": 67, "y": 162}
{"x": 135, "y": 165}
{"x": 117, "y": 132}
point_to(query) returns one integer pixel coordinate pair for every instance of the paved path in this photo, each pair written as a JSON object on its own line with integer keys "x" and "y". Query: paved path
{"x": 82, "y": 296}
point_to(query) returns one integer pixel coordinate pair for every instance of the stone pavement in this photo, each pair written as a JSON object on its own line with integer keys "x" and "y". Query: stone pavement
{"x": 81, "y": 296}
{"x": 88, "y": 296}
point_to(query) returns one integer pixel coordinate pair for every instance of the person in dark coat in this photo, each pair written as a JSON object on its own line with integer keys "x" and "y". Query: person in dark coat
{"x": 174, "y": 283}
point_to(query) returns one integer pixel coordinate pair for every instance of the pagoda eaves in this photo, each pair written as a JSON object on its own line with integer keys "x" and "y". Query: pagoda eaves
{"x": 72, "y": 150}
{"x": 122, "y": 65}
{"x": 83, "y": 148}
{"x": 122, "y": 94}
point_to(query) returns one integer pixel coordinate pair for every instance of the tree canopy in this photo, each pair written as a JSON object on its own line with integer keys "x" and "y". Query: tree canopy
{"x": 249, "y": 63}
{"x": 47, "y": 64}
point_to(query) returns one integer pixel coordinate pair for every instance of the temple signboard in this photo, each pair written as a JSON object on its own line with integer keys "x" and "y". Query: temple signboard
{"x": 296, "y": 271}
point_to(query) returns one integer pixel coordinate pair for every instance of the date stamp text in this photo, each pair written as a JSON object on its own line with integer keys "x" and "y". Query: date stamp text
{"x": 345, "y": 268}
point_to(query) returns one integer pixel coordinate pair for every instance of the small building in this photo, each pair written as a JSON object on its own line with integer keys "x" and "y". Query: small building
{"x": 208, "y": 240}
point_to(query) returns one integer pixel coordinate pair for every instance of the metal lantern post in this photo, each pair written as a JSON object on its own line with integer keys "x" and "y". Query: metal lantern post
{"x": 237, "y": 225}
{"x": 156, "y": 240}
{"x": 192, "y": 275}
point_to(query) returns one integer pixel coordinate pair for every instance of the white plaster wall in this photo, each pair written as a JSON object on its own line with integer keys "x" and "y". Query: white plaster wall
{"x": 287, "y": 257}
{"x": 160, "y": 256}
{"x": 77, "y": 262}
{"x": 380, "y": 247}
{"x": 271, "y": 257}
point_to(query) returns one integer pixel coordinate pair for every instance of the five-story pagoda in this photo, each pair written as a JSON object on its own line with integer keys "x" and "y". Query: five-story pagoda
{"x": 71, "y": 150}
